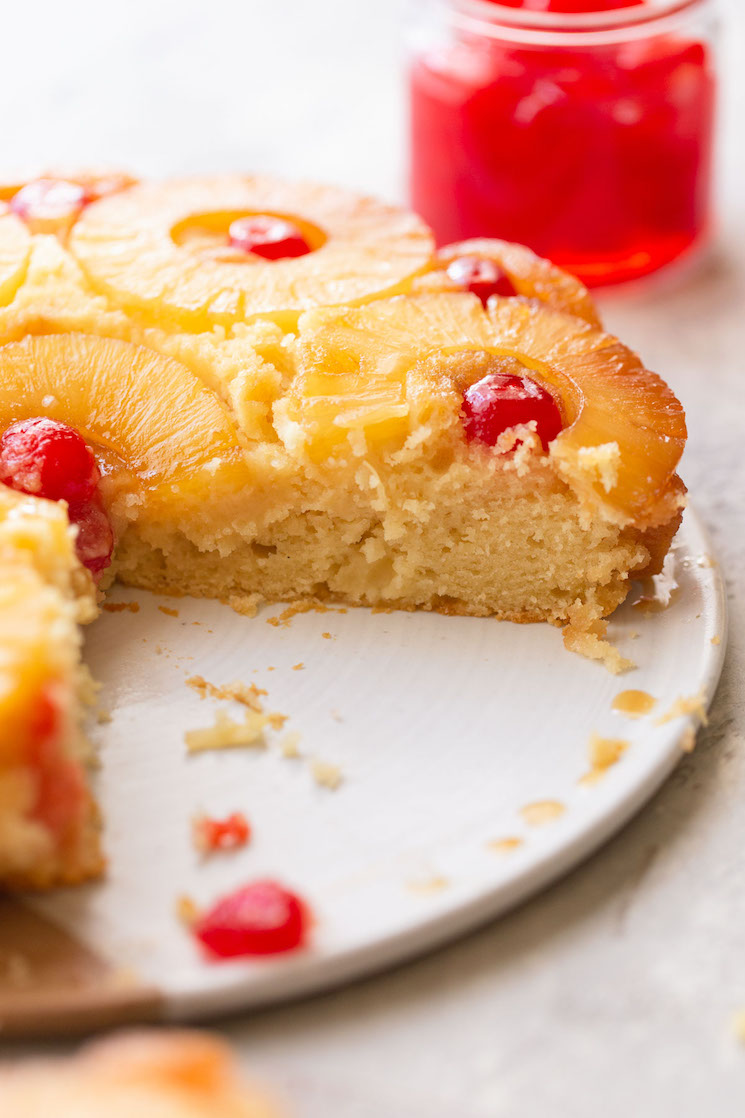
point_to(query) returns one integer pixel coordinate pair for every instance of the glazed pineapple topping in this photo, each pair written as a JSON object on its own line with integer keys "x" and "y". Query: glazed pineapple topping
{"x": 500, "y": 401}
{"x": 49, "y": 459}
{"x": 480, "y": 276}
{"x": 49, "y": 201}
{"x": 273, "y": 238}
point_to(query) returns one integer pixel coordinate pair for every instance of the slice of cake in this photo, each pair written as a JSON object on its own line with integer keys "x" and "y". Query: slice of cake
{"x": 149, "y": 1074}
{"x": 48, "y": 821}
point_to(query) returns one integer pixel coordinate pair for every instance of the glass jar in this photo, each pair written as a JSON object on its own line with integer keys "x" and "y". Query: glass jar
{"x": 587, "y": 137}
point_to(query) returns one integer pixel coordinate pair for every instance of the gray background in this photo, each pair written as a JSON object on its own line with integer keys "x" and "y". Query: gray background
{"x": 613, "y": 992}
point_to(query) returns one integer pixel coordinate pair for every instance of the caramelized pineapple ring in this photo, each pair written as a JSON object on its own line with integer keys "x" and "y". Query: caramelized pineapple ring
{"x": 380, "y": 367}
{"x": 15, "y": 250}
{"x": 161, "y": 250}
{"x": 530, "y": 275}
{"x": 155, "y": 429}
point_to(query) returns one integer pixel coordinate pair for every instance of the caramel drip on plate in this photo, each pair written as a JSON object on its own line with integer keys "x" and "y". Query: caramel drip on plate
{"x": 634, "y": 704}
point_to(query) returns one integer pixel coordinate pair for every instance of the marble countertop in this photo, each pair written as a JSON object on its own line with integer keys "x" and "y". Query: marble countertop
{"x": 614, "y": 991}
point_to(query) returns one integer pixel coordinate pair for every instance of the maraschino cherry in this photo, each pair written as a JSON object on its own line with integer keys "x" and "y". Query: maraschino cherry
{"x": 274, "y": 238}
{"x": 480, "y": 276}
{"x": 500, "y": 401}
{"x": 46, "y": 458}
{"x": 263, "y": 918}
{"x": 569, "y": 7}
{"x": 49, "y": 200}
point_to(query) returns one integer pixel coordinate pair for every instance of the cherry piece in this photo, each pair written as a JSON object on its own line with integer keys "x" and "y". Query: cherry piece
{"x": 571, "y": 6}
{"x": 49, "y": 200}
{"x": 259, "y": 919}
{"x": 500, "y": 401}
{"x": 480, "y": 276}
{"x": 211, "y": 835}
{"x": 48, "y": 459}
{"x": 95, "y": 539}
{"x": 270, "y": 237}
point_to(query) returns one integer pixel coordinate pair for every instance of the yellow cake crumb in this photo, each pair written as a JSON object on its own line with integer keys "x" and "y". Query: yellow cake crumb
{"x": 168, "y": 611}
{"x": 187, "y": 910}
{"x": 688, "y": 740}
{"x": 691, "y": 704}
{"x": 505, "y": 845}
{"x": 226, "y": 734}
{"x": 716, "y": 640}
{"x": 120, "y": 607}
{"x": 542, "y": 811}
{"x": 429, "y": 885}
{"x": 325, "y": 774}
{"x": 246, "y": 693}
{"x": 277, "y": 720}
{"x": 289, "y": 746}
{"x": 587, "y": 638}
{"x": 298, "y": 667}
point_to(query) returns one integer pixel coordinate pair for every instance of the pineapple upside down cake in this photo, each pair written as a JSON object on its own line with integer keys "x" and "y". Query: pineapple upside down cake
{"x": 248, "y": 389}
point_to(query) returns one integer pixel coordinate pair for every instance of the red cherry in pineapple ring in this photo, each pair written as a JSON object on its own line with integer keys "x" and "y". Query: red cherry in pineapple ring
{"x": 480, "y": 276}
{"x": 49, "y": 199}
{"x": 263, "y": 918}
{"x": 48, "y": 459}
{"x": 500, "y": 401}
{"x": 569, "y": 7}
{"x": 270, "y": 237}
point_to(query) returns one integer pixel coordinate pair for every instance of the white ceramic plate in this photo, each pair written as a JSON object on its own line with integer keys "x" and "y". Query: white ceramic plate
{"x": 443, "y": 728}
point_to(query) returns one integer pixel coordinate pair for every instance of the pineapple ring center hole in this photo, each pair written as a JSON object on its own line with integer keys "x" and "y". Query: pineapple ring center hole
{"x": 207, "y": 234}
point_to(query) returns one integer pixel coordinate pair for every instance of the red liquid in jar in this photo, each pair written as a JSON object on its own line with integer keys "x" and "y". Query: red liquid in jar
{"x": 597, "y": 156}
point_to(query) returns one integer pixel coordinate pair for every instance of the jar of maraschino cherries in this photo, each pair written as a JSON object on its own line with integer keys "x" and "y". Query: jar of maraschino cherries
{"x": 582, "y": 128}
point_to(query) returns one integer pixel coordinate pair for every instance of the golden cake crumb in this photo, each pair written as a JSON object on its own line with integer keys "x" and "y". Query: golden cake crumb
{"x": 542, "y": 811}
{"x": 430, "y": 885}
{"x": 298, "y": 667}
{"x": 103, "y": 717}
{"x": 716, "y": 640}
{"x": 691, "y": 704}
{"x": 688, "y": 740}
{"x": 120, "y": 607}
{"x": 277, "y": 720}
{"x": 505, "y": 845}
{"x": 289, "y": 746}
{"x": 586, "y": 634}
{"x": 247, "y": 605}
{"x": 604, "y": 753}
{"x": 326, "y": 636}
{"x": 226, "y": 734}
{"x": 325, "y": 774}
{"x": 187, "y": 910}
{"x": 168, "y": 611}
{"x": 246, "y": 693}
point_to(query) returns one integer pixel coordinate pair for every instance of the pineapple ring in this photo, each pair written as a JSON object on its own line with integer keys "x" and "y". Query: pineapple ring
{"x": 134, "y": 249}
{"x": 367, "y": 367}
{"x": 15, "y": 252}
{"x": 155, "y": 428}
{"x": 532, "y": 276}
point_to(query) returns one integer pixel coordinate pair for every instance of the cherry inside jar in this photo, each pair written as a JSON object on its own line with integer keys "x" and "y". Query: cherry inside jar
{"x": 582, "y": 128}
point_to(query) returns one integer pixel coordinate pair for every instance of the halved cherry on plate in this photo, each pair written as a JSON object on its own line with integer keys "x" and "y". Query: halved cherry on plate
{"x": 480, "y": 276}
{"x": 500, "y": 401}
{"x": 273, "y": 238}
{"x": 262, "y": 918}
